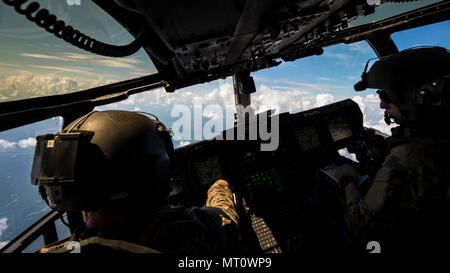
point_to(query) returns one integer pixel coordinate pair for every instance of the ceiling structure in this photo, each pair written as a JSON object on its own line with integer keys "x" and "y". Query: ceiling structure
{"x": 192, "y": 42}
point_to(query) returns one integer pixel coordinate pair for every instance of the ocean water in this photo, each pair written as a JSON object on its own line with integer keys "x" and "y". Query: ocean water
{"x": 20, "y": 203}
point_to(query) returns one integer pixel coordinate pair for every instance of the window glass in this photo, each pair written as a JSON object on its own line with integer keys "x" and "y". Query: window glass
{"x": 35, "y": 63}
{"x": 292, "y": 87}
{"x": 387, "y": 10}
{"x": 430, "y": 35}
{"x": 20, "y": 203}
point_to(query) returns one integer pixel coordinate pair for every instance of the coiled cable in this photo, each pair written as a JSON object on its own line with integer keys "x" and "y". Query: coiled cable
{"x": 44, "y": 19}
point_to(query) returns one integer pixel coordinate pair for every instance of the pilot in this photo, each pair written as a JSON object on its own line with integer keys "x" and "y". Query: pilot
{"x": 122, "y": 187}
{"x": 406, "y": 209}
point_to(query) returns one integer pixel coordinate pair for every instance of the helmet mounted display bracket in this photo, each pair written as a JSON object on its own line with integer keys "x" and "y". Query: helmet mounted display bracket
{"x": 363, "y": 83}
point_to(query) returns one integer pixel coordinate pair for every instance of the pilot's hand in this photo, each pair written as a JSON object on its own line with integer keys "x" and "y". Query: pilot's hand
{"x": 345, "y": 174}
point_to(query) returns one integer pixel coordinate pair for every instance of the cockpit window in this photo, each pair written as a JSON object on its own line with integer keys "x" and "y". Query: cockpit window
{"x": 20, "y": 203}
{"x": 35, "y": 63}
{"x": 430, "y": 35}
{"x": 387, "y": 10}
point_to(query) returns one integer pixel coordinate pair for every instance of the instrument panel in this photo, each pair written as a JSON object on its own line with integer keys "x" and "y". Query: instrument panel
{"x": 278, "y": 186}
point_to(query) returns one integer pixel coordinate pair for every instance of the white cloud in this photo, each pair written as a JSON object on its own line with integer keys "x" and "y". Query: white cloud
{"x": 129, "y": 101}
{"x": 373, "y": 116}
{"x": 323, "y": 99}
{"x": 292, "y": 97}
{"x": 104, "y": 61}
{"x": 27, "y": 143}
{"x": 4, "y": 144}
{"x": 3, "y": 225}
{"x": 114, "y": 63}
{"x": 321, "y": 87}
{"x": 42, "y": 56}
{"x": 24, "y": 144}
{"x": 288, "y": 98}
{"x": 73, "y": 2}
{"x": 324, "y": 79}
{"x": 77, "y": 56}
{"x": 223, "y": 95}
{"x": 183, "y": 143}
{"x": 25, "y": 84}
{"x": 87, "y": 59}
{"x": 213, "y": 114}
{"x": 292, "y": 101}
{"x": 344, "y": 152}
{"x": 287, "y": 101}
{"x": 383, "y": 127}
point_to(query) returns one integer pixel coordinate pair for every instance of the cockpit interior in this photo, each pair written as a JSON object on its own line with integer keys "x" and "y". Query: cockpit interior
{"x": 288, "y": 199}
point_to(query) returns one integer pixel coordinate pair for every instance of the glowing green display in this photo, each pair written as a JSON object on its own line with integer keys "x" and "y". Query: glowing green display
{"x": 264, "y": 179}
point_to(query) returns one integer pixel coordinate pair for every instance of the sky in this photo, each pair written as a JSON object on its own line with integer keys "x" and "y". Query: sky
{"x": 34, "y": 63}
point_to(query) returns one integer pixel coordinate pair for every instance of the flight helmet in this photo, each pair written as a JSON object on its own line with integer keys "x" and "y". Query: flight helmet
{"x": 104, "y": 159}
{"x": 416, "y": 80}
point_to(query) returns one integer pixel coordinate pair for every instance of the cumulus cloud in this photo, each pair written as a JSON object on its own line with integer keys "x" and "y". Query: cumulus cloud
{"x": 4, "y": 144}
{"x": 286, "y": 99}
{"x": 223, "y": 95}
{"x": 290, "y": 97}
{"x": 23, "y": 144}
{"x": 211, "y": 114}
{"x": 296, "y": 99}
{"x": 323, "y": 99}
{"x": 373, "y": 116}
{"x": 27, "y": 143}
{"x": 292, "y": 101}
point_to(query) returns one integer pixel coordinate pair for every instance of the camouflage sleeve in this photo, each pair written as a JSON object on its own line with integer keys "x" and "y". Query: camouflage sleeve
{"x": 220, "y": 196}
{"x": 360, "y": 212}
{"x": 198, "y": 230}
{"x": 357, "y": 215}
